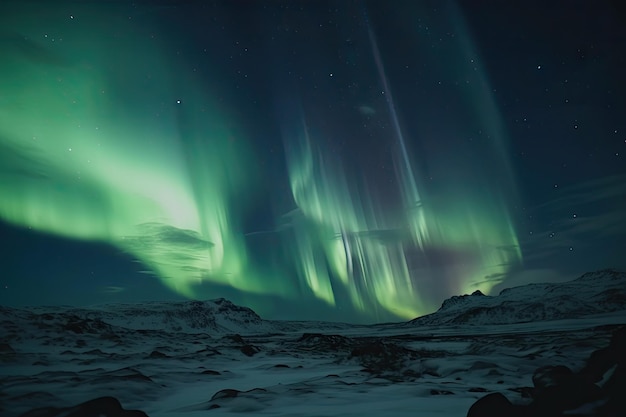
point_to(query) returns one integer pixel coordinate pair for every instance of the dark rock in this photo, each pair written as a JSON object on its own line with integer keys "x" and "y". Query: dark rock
{"x": 615, "y": 386}
{"x": 482, "y": 365}
{"x": 5, "y": 348}
{"x": 324, "y": 342}
{"x": 157, "y": 354}
{"x": 209, "y": 351}
{"x": 249, "y": 350}
{"x": 494, "y": 405}
{"x": 129, "y": 374}
{"x": 255, "y": 391}
{"x": 232, "y": 393}
{"x": 110, "y": 336}
{"x": 602, "y": 360}
{"x": 225, "y": 393}
{"x": 99, "y": 407}
{"x": 381, "y": 356}
{"x": 210, "y": 372}
{"x": 78, "y": 325}
{"x": 615, "y": 389}
{"x": 440, "y": 392}
{"x": 236, "y": 338}
{"x": 548, "y": 376}
{"x": 558, "y": 389}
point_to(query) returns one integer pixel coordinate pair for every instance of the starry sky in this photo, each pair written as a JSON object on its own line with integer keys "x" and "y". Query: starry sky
{"x": 354, "y": 161}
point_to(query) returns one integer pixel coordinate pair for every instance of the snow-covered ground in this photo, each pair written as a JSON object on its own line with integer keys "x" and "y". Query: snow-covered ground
{"x": 214, "y": 358}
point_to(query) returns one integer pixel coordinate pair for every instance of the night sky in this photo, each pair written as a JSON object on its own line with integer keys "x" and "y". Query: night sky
{"x": 354, "y": 161}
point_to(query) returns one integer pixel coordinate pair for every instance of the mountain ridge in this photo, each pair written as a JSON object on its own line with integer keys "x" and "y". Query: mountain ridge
{"x": 597, "y": 292}
{"x": 217, "y": 316}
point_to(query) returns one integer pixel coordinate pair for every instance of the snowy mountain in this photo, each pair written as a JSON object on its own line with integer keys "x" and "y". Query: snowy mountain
{"x": 218, "y": 316}
{"x": 592, "y": 293}
{"x": 212, "y": 316}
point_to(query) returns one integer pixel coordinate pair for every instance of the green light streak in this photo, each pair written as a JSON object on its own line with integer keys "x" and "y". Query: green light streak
{"x": 95, "y": 146}
{"x": 472, "y": 228}
{"x": 367, "y": 254}
{"x": 144, "y": 172}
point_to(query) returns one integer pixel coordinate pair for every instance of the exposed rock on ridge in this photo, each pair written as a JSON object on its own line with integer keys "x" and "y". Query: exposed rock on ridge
{"x": 593, "y": 293}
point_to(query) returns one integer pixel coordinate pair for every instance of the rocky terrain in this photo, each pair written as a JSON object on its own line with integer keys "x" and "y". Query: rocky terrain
{"x": 215, "y": 358}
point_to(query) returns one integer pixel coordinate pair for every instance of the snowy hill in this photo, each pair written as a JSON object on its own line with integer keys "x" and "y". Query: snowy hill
{"x": 212, "y": 316}
{"x": 592, "y": 293}
{"x": 218, "y": 316}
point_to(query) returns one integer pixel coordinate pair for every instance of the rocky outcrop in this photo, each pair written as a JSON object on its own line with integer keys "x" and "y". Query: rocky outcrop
{"x": 98, "y": 407}
{"x": 597, "y": 390}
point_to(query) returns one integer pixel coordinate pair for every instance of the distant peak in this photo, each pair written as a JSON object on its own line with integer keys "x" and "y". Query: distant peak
{"x": 592, "y": 293}
{"x": 457, "y": 300}
{"x": 609, "y": 272}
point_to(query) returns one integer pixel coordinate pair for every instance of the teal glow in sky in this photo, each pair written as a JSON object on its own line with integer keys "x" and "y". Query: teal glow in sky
{"x": 307, "y": 179}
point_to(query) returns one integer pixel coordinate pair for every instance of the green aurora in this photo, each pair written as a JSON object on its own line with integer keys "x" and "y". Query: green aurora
{"x": 127, "y": 145}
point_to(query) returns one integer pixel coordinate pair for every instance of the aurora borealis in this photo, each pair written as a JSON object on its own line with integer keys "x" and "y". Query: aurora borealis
{"x": 345, "y": 160}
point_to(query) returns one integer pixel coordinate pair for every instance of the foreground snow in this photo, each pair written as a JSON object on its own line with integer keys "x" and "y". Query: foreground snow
{"x": 368, "y": 371}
